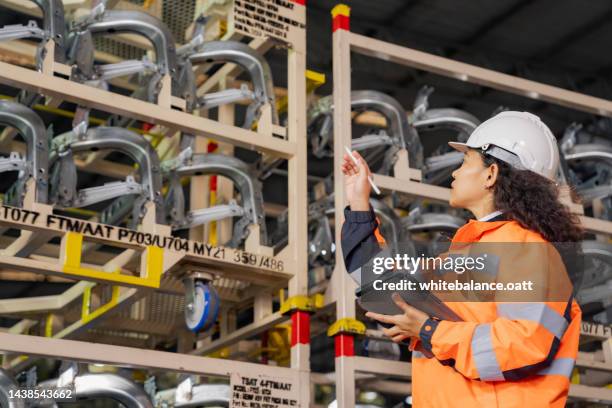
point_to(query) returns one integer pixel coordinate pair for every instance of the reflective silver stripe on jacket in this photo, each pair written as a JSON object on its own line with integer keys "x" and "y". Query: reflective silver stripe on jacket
{"x": 560, "y": 366}
{"x": 539, "y": 313}
{"x": 484, "y": 354}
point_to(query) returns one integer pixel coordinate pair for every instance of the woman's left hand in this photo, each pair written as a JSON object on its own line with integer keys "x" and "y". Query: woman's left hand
{"x": 406, "y": 325}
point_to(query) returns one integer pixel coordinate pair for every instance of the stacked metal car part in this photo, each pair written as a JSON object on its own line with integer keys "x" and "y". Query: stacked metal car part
{"x": 51, "y": 161}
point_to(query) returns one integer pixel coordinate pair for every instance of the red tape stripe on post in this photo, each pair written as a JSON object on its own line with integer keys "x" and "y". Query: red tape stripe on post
{"x": 212, "y": 181}
{"x": 300, "y": 328}
{"x": 341, "y": 22}
{"x": 345, "y": 345}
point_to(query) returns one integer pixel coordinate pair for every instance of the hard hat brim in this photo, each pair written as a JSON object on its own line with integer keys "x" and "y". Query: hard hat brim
{"x": 462, "y": 147}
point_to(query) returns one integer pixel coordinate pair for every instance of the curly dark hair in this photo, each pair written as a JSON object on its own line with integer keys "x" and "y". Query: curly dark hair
{"x": 533, "y": 201}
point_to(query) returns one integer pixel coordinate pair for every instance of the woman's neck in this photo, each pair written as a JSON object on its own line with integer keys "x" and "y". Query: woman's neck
{"x": 483, "y": 210}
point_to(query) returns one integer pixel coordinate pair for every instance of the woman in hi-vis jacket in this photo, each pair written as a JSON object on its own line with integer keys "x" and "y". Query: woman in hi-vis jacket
{"x": 500, "y": 354}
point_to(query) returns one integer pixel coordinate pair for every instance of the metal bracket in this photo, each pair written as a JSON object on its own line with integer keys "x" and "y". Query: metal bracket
{"x": 33, "y": 131}
{"x": 53, "y": 29}
{"x": 141, "y": 23}
{"x": 214, "y": 99}
{"x": 216, "y": 213}
{"x": 17, "y": 31}
{"x": 8, "y": 387}
{"x": 320, "y": 125}
{"x": 125, "y": 68}
{"x": 92, "y": 195}
{"x": 13, "y": 163}
{"x": 447, "y": 118}
{"x": 253, "y": 63}
{"x": 121, "y": 21}
{"x": 239, "y": 172}
{"x": 118, "y": 139}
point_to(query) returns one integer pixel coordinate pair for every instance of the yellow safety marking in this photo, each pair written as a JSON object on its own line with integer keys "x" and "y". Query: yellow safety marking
{"x": 49, "y": 325}
{"x": 72, "y": 265}
{"x": 154, "y": 263}
{"x": 221, "y": 353}
{"x": 222, "y": 28}
{"x": 87, "y": 315}
{"x": 301, "y": 302}
{"x": 341, "y": 9}
{"x": 279, "y": 343}
{"x": 281, "y": 296}
{"x": 346, "y": 325}
{"x": 314, "y": 78}
{"x": 313, "y": 81}
{"x": 575, "y": 376}
{"x": 74, "y": 246}
{"x": 212, "y": 232}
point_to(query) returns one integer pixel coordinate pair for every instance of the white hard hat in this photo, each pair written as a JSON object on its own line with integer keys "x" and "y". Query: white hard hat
{"x": 520, "y": 139}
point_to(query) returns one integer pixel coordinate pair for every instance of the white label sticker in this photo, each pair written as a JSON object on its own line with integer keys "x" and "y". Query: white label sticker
{"x": 262, "y": 392}
{"x": 284, "y": 20}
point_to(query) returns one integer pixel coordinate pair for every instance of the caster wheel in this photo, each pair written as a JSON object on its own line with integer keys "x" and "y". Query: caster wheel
{"x": 202, "y": 314}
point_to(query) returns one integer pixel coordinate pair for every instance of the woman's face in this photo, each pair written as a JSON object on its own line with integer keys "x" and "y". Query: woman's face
{"x": 470, "y": 181}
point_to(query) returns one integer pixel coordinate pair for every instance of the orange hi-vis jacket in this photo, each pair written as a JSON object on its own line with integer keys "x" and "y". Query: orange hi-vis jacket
{"x": 501, "y": 355}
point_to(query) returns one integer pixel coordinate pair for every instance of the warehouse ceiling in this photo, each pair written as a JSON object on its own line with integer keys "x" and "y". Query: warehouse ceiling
{"x": 557, "y": 42}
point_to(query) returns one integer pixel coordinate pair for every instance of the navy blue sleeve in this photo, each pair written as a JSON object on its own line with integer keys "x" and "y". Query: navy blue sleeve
{"x": 358, "y": 228}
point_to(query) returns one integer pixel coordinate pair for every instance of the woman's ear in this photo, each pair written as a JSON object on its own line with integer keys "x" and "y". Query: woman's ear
{"x": 493, "y": 172}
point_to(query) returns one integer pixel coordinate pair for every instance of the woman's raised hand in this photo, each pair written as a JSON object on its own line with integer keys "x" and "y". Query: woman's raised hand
{"x": 356, "y": 184}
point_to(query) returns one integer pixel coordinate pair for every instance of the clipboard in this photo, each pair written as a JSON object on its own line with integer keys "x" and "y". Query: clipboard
{"x": 424, "y": 300}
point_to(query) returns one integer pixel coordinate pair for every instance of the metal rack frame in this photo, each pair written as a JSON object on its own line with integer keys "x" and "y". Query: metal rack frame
{"x": 342, "y": 289}
{"x": 158, "y": 262}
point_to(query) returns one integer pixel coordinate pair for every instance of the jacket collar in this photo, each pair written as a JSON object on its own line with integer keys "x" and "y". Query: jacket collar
{"x": 495, "y": 215}
{"x": 474, "y": 229}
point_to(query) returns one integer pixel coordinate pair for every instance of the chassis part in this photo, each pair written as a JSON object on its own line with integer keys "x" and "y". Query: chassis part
{"x": 253, "y": 63}
{"x": 321, "y": 246}
{"x": 64, "y": 189}
{"x": 94, "y": 386}
{"x": 425, "y": 119}
{"x": 588, "y": 166}
{"x": 400, "y": 133}
{"x": 36, "y": 162}
{"x": 244, "y": 179}
{"x": 439, "y": 166}
{"x": 120, "y": 21}
{"x": 8, "y": 385}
